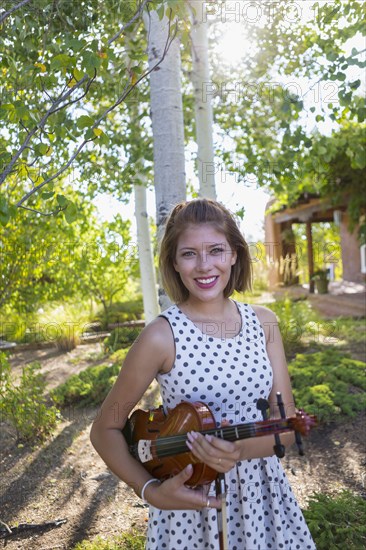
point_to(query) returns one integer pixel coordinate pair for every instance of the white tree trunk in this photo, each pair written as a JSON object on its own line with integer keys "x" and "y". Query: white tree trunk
{"x": 167, "y": 122}
{"x": 146, "y": 259}
{"x": 203, "y": 107}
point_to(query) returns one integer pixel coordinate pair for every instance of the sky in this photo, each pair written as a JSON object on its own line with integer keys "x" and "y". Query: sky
{"x": 232, "y": 194}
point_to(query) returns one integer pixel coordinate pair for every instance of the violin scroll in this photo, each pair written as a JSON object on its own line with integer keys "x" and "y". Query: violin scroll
{"x": 303, "y": 422}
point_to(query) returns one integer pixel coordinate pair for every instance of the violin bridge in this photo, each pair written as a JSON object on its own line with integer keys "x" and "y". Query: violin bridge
{"x": 144, "y": 450}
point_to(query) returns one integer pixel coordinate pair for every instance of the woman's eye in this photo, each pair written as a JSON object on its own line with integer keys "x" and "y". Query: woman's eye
{"x": 217, "y": 250}
{"x": 188, "y": 253}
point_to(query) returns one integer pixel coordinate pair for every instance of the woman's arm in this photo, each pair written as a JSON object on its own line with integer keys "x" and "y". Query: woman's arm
{"x": 144, "y": 360}
{"x": 153, "y": 352}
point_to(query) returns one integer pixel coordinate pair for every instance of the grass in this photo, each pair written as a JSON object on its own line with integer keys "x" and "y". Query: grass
{"x": 133, "y": 540}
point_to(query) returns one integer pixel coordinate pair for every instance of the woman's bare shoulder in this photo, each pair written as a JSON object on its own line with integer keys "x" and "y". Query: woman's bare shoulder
{"x": 155, "y": 343}
{"x": 264, "y": 314}
{"x": 157, "y": 331}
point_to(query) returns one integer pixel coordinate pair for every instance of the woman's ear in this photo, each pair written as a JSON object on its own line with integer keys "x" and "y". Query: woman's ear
{"x": 233, "y": 258}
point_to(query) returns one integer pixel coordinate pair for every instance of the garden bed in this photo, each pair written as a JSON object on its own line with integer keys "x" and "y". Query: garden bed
{"x": 65, "y": 479}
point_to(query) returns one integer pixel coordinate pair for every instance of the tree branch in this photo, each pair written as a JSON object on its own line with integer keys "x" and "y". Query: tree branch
{"x": 39, "y": 126}
{"x": 129, "y": 23}
{"x": 60, "y": 209}
{"x": 6, "y": 14}
{"x": 127, "y": 90}
{"x": 60, "y": 103}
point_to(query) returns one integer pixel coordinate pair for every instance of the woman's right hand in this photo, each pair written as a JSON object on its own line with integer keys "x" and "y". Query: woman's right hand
{"x": 173, "y": 494}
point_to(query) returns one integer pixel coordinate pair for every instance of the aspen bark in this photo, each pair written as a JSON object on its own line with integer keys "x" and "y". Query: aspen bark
{"x": 146, "y": 259}
{"x": 202, "y": 101}
{"x": 167, "y": 122}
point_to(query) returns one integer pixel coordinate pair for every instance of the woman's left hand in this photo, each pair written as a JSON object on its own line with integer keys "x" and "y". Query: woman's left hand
{"x": 217, "y": 453}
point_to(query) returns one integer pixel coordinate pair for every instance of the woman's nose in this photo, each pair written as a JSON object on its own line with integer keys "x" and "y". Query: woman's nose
{"x": 203, "y": 262}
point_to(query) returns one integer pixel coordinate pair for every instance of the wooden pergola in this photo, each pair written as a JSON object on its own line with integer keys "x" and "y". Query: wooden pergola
{"x": 308, "y": 209}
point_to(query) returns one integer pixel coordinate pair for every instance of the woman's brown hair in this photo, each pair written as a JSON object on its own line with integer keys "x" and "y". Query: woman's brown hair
{"x": 196, "y": 212}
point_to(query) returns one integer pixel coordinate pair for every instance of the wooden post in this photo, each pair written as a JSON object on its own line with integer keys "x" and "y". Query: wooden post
{"x": 309, "y": 240}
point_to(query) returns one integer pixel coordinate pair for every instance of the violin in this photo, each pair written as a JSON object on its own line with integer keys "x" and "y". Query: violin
{"x": 158, "y": 440}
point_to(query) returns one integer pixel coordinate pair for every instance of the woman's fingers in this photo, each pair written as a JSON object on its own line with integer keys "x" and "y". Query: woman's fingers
{"x": 217, "y": 453}
{"x": 174, "y": 494}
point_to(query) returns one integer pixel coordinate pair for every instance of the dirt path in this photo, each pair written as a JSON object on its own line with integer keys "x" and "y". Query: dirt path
{"x": 66, "y": 479}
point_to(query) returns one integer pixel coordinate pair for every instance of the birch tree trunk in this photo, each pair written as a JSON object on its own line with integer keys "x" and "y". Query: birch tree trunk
{"x": 203, "y": 107}
{"x": 146, "y": 259}
{"x": 167, "y": 122}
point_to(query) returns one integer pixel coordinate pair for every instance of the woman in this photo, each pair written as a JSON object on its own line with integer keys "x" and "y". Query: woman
{"x": 227, "y": 354}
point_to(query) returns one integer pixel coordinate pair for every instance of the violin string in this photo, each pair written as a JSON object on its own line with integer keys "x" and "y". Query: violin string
{"x": 176, "y": 443}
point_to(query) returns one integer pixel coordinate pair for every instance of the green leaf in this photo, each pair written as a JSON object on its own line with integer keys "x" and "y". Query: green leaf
{"x": 62, "y": 61}
{"x": 74, "y": 44}
{"x": 160, "y": 11}
{"x": 42, "y": 148}
{"x": 48, "y": 194}
{"x": 361, "y": 114}
{"x": 90, "y": 62}
{"x": 332, "y": 56}
{"x": 356, "y": 84}
{"x": 78, "y": 75}
{"x": 359, "y": 160}
{"x": 6, "y": 211}
{"x": 62, "y": 200}
{"x": 71, "y": 212}
{"x": 84, "y": 122}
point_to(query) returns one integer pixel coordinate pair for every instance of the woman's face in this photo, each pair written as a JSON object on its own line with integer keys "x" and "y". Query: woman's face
{"x": 204, "y": 260}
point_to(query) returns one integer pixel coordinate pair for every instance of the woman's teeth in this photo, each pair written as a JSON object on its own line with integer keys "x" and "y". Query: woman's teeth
{"x": 206, "y": 281}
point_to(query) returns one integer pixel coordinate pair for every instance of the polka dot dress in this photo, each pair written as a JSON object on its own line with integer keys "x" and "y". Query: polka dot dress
{"x": 230, "y": 374}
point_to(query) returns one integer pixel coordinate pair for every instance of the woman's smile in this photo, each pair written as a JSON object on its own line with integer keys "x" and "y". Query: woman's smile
{"x": 208, "y": 282}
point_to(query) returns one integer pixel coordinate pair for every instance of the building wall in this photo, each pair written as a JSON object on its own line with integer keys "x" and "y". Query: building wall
{"x": 272, "y": 242}
{"x": 350, "y": 249}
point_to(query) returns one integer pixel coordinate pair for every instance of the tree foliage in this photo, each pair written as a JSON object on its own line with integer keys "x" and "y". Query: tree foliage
{"x": 64, "y": 72}
{"x": 294, "y": 113}
{"x": 44, "y": 258}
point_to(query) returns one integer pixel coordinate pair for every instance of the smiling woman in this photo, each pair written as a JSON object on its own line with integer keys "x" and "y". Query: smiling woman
{"x": 228, "y": 355}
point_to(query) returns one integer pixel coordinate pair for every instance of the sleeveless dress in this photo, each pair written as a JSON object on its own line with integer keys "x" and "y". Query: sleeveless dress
{"x": 229, "y": 374}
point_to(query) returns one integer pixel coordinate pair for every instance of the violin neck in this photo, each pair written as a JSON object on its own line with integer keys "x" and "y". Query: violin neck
{"x": 176, "y": 444}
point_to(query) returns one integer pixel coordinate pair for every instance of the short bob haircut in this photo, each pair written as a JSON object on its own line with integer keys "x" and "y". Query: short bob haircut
{"x": 195, "y": 212}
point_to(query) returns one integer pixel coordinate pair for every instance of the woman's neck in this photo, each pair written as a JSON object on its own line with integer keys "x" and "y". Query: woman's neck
{"x": 208, "y": 311}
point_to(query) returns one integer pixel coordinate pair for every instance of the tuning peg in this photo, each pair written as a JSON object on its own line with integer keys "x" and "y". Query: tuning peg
{"x": 263, "y": 406}
{"x": 279, "y": 449}
{"x": 299, "y": 443}
{"x": 280, "y": 405}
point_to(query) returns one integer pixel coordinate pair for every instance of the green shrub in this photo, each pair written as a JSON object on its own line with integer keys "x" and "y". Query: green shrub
{"x": 118, "y": 356}
{"x": 297, "y": 320}
{"x": 14, "y": 325}
{"x": 63, "y": 325}
{"x": 90, "y": 386}
{"x": 120, "y": 312}
{"x": 120, "y": 338}
{"x": 328, "y": 384}
{"x": 350, "y": 330}
{"x": 337, "y": 522}
{"x": 127, "y": 541}
{"x": 24, "y": 404}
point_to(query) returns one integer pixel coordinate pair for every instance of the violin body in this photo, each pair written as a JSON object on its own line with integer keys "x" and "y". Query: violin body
{"x": 158, "y": 441}
{"x": 150, "y": 425}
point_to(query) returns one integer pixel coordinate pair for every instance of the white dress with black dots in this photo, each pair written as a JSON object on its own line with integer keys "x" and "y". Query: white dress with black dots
{"x": 229, "y": 374}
